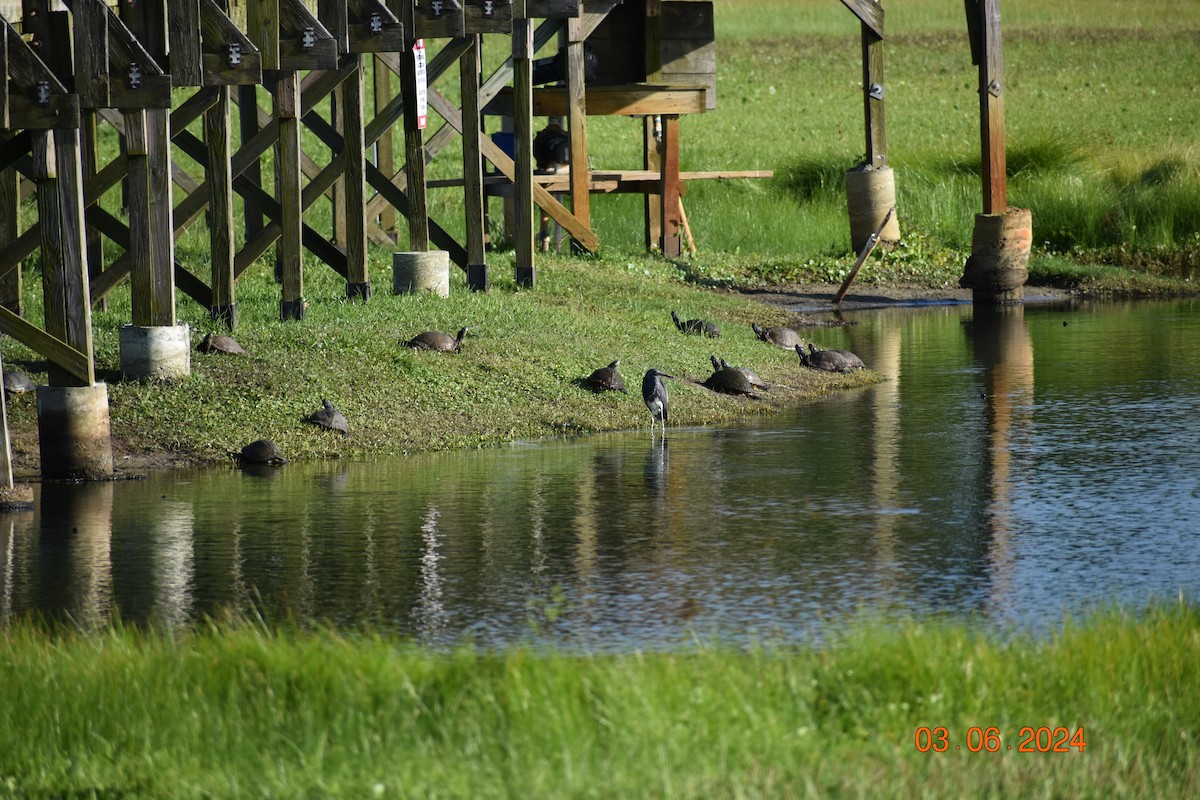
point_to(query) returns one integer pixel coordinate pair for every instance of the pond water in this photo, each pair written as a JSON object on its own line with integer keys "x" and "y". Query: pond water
{"x": 1017, "y": 465}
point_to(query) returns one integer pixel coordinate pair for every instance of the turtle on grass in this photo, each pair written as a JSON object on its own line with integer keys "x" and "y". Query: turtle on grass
{"x": 720, "y": 365}
{"x": 438, "y": 341}
{"x": 17, "y": 382}
{"x": 329, "y": 418}
{"x": 216, "y": 343}
{"x": 778, "y": 336}
{"x": 697, "y": 327}
{"x": 260, "y": 451}
{"x": 829, "y": 360}
{"x": 607, "y": 379}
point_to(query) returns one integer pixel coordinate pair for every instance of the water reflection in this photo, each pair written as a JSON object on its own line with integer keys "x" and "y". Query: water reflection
{"x": 995, "y": 472}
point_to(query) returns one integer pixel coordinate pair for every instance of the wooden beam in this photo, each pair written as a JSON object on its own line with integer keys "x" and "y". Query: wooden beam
{"x": 414, "y": 147}
{"x": 385, "y": 158}
{"x": 358, "y": 282}
{"x": 577, "y": 126}
{"x": 672, "y": 214}
{"x": 288, "y": 195}
{"x": 218, "y": 175}
{"x": 991, "y": 111}
{"x": 524, "y": 224}
{"x": 873, "y": 94}
{"x": 10, "y": 215}
{"x": 869, "y": 12}
{"x": 76, "y": 362}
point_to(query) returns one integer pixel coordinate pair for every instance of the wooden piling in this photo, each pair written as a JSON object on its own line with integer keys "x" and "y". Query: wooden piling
{"x": 672, "y": 217}
{"x": 358, "y": 282}
{"x": 218, "y": 175}
{"x": 414, "y": 136}
{"x": 385, "y": 158}
{"x": 473, "y": 199}
{"x": 577, "y": 122}
{"x": 289, "y": 249}
{"x": 10, "y": 206}
{"x": 524, "y": 221}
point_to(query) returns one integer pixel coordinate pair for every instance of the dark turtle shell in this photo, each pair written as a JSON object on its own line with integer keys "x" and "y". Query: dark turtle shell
{"x": 437, "y": 341}
{"x": 829, "y": 360}
{"x": 696, "y": 327}
{"x": 751, "y": 375}
{"x": 730, "y": 380}
{"x": 778, "y": 336}
{"x": 216, "y": 343}
{"x": 330, "y": 418}
{"x": 17, "y": 382}
{"x": 607, "y": 379}
{"x": 262, "y": 451}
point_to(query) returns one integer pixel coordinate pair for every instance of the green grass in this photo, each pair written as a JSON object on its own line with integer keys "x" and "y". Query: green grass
{"x": 240, "y": 711}
{"x": 518, "y": 376}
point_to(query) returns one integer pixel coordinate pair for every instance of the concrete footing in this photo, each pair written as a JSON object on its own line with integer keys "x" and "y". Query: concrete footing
{"x": 155, "y": 353}
{"x": 999, "y": 264}
{"x": 73, "y": 432}
{"x": 870, "y": 194}
{"x": 427, "y": 271}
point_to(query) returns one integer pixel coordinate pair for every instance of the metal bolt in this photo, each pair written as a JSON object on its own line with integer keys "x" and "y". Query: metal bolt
{"x": 42, "y": 90}
{"x": 376, "y": 23}
{"x": 310, "y": 38}
{"x": 876, "y": 92}
{"x": 235, "y": 53}
{"x": 135, "y": 76}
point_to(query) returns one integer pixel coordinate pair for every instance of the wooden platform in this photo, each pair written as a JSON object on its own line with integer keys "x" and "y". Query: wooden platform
{"x": 635, "y": 99}
{"x": 637, "y": 181}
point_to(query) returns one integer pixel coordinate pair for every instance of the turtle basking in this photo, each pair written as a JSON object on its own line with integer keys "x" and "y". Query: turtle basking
{"x": 437, "y": 341}
{"x": 607, "y": 379}
{"x": 697, "y": 327}
{"x": 329, "y": 417}
{"x": 778, "y": 336}
{"x": 730, "y": 380}
{"x": 829, "y": 360}
{"x": 216, "y": 343}
{"x": 751, "y": 375}
{"x": 17, "y": 382}
{"x": 262, "y": 451}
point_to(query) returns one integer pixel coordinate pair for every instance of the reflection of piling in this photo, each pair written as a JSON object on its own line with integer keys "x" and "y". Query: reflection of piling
{"x": 73, "y": 432}
{"x": 12, "y": 496}
{"x": 75, "y": 558}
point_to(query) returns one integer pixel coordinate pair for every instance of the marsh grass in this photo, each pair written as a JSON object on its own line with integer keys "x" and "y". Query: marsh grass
{"x": 241, "y": 710}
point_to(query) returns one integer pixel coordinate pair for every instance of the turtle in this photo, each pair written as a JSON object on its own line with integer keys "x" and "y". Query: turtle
{"x": 730, "y": 380}
{"x": 329, "y": 417}
{"x": 438, "y": 341}
{"x": 17, "y": 382}
{"x": 829, "y": 360}
{"x": 261, "y": 451}
{"x": 216, "y": 343}
{"x": 751, "y": 375}
{"x": 607, "y": 379}
{"x": 778, "y": 336}
{"x": 698, "y": 327}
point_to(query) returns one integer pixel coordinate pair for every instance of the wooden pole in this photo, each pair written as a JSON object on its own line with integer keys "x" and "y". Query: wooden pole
{"x": 414, "y": 138}
{"x": 218, "y": 175}
{"x": 872, "y": 240}
{"x": 289, "y": 248}
{"x": 248, "y": 127}
{"x": 991, "y": 107}
{"x": 473, "y": 200}
{"x": 89, "y": 155}
{"x": 577, "y": 122}
{"x": 672, "y": 220}
{"x": 652, "y": 161}
{"x": 873, "y": 93}
{"x": 10, "y": 207}
{"x": 524, "y": 223}
{"x": 358, "y": 281}
{"x": 384, "y": 157}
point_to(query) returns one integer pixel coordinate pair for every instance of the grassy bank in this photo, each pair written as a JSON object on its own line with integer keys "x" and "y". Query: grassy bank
{"x": 238, "y": 711}
{"x": 519, "y": 375}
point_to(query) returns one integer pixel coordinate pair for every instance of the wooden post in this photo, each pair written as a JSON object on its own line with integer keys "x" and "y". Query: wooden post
{"x": 358, "y": 281}
{"x": 289, "y": 248}
{"x": 473, "y": 199}
{"x": 152, "y": 238}
{"x": 89, "y": 155}
{"x": 337, "y": 196}
{"x": 248, "y": 128}
{"x": 524, "y": 223}
{"x": 672, "y": 218}
{"x": 218, "y": 174}
{"x": 873, "y": 92}
{"x": 384, "y": 157}
{"x": 991, "y": 104}
{"x": 414, "y": 138}
{"x": 577, "y": 123}
{"x": 652, "y": 161}
{"x": 64, "y": 271}
{"x": 10, "y": 207}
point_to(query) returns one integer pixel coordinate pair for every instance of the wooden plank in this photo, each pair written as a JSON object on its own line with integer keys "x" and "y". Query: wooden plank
{"x": 334, "y": 15}
{"x": 672, "y": 215}
{"x": 524, "y": 224}
{"x": 75, "y": 362}
{"x": 626, "y": 100}
{"x": 219, "y": 35}
{"x": 873, "y": 97}
{"x": 91, "y": 53}
{"x": 218, "y": 174}
{"x": 110, "y": 278}
{"x": 288, "y": 194}
{"x": 248, "y": 130}
{"x": 869, "y": 12}
{"x": 341, "y": 209}
{"x": 89, "y": 162}
{"x": 262, "y": 26}
{"x": 4, "y": 76}
{"x": 473, "y": 198}
{"x": 382, "y": 184}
